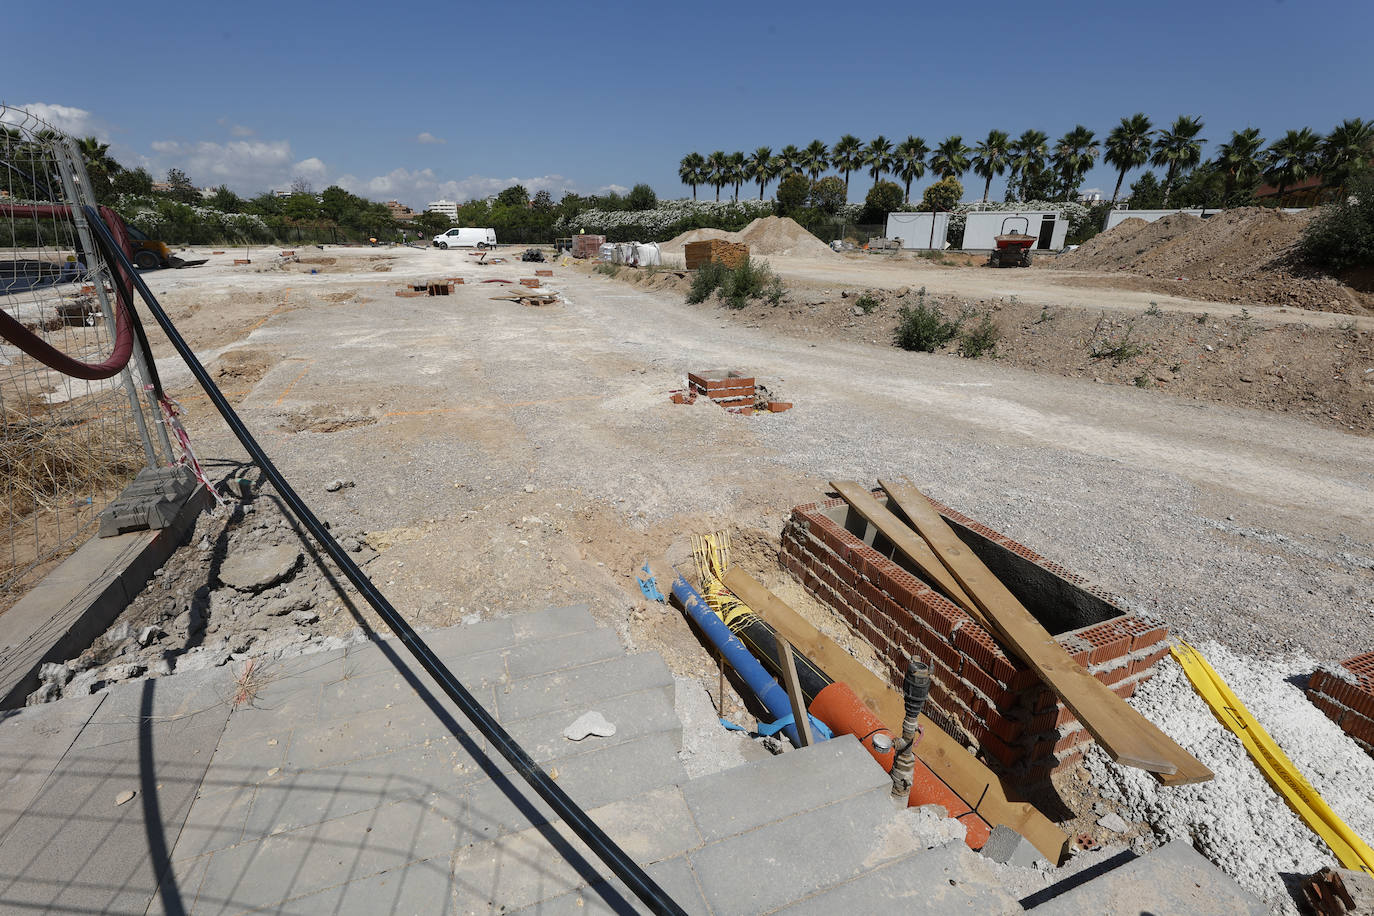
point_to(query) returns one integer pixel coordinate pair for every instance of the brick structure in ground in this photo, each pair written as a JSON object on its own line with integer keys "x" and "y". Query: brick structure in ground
{"x": 1346, "y": 695}
{"x": 979, "y": 693}
{"x": 726, "y": 387}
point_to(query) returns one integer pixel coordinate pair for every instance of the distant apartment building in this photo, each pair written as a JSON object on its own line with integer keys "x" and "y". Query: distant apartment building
{"x": 447, "y": 207}
{"x": 400, "y": 212}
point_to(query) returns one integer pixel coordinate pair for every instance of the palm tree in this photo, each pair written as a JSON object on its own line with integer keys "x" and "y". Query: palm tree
{"x": 1290, "y": 159}
{"x": 951, "y": 158}
{"x": 991, "y": 157}
{"x": 847, "y": 157}
{"x": 1177, "y": 148}
{"x": 1239, "y": 160}
{"x": 1074, "y": 154}
{"x": 909, "y": 161}
{"x": 759, "y": 167}
{"x": 718, "y": 170}
{"x": 692, "y": 171}
{"x": 98, "y": 154}
{"x": 815, "y": 159}
{"x": 1028, "y": 154}
{"x": 1347, "y": 149}
{"x": 1128, "y": 147}
{"x": 878, "y": 157}
{"x": 737, "y": 173}
{"x": 789, "y": 161}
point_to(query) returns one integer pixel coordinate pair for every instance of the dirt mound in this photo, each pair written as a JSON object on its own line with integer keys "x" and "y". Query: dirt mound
{"x": 780, "y": 235}
{"x": 675, "y": 246}
{"x": 1241, "y": 255}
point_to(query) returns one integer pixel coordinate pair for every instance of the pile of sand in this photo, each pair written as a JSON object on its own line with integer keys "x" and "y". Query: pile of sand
{"x": 768, "y": 235}
{"x": 1245, "y": 254}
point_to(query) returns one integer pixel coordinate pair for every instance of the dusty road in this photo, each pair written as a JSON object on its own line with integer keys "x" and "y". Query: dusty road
{"x": 506, "y": 456}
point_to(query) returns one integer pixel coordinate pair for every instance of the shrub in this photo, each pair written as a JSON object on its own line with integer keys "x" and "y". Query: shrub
{"x": 774, "y": 291}
{"x": 707, "y": 278}
{"x": 609, "y": 270}
{"x": 792, "y": 194}
{"x": 866, "y": 303}
{"x": 942, "y": 195}
{"x": 982, "y": 339}
{"x": 1342, "y": 235}
{"x": 883, "y": 198}
{"x": 749, "y": 280}
{"x": 641, "y": 197}
{"x": 923, "y": 327}
{"x": 828, "y": 195}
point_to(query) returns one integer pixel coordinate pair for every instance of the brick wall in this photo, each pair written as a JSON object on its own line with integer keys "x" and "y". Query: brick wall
{"x": 1347, "y": 697}
{"x": 729, "y": 389}
{"x": 979, "y": 693}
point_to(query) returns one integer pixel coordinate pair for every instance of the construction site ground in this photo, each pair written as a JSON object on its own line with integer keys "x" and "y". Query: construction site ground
{"x": 498, "y": 456}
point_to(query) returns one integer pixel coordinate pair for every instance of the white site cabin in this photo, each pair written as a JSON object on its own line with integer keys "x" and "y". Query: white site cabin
{"x": 466, "y": 238}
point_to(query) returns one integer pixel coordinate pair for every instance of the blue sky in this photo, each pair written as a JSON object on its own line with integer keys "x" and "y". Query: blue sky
{"x": 414, "y": 101}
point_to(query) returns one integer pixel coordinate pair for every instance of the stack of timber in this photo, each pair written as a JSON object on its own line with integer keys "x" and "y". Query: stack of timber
{"x": 718, "y": 251}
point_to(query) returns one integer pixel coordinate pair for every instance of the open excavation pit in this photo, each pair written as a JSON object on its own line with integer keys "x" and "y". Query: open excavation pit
{"x": 979, "y": 693}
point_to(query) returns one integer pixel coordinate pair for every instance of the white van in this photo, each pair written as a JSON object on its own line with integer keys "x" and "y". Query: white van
{"x": 466, "y": 238}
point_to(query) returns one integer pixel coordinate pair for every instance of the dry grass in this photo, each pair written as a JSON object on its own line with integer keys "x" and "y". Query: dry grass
{"x": 249, "y": 682}
{"x": 46, "y": 462}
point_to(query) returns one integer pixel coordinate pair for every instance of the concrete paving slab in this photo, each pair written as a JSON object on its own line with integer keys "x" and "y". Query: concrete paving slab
{"x": 32, "y": 741}
{"x": 554, "y": 622}
{"x": 675, "y": 876}
{"x": 369, "y": 734}
{"x": 634, "y": 715}
{"x": 420, "y": 889}
{"x": 931, "y": 883}
{"x": 215, "y": 821}
{"x": 1173, "y": 880}
{"x": 583, "y": 686}
{"x": 785, "y": 861}
{"x": 727, "y": 803}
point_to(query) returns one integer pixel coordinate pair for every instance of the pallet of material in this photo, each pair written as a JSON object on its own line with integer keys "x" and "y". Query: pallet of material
{"x": 718, "y": 251}
{"x": 587, "y": 246}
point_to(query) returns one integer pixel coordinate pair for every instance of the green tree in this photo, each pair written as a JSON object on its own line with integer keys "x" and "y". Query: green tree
{"x": 847, "y": 157}
{"x": 542, "y": 201}
{"x": 718, "y": 170}
{"x": 225, "y": 200}
{"x": 1342, "y": 235}
{"x": 1029, "y": 153}
{"x": 950, "y": 159}
{"x": 738, "y": 176}
{"x": 1291, "y": 159}
{"x": 761, "y": 167}
{"x": 641, "y": 197}
{"x": 878, "y": 157}
{"x": 101, "y": 167}
{"x": 517, "y": 195}
{"x": 1146, "y": 193}
{"x": 793, "y": 191}
{"x": 789, "y": 160}
{"x": 909, "y": 161}
{"x": 1239, "y": 161}
{"x": 991, "y": 157}
{"x": 136, "y": 182}
{"x": 815, "y": 159}
{"x": 1346, "y": 151}
{"x": 828, "y": 195}
{"x": 431, "y": 223}
{"x": 942, "y": 196}
{"x": 1179, "y": 148}
{"x": 1128, "y": 147}
{"x": 301, "y": 208}
{"x": 883, "y": 198}
{"x": 1074, "y": 154}
{"x": 181, "y": 189}
{"x": 692, "y": 171}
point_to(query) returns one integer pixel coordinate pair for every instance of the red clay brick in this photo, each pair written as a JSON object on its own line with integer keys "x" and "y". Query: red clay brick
{"x": 1126, "y": 689}
{"x": 978, "y": 645}
{"x": 1060, "y": 716}
{"x": 1334, "y": 711}
{"x": 1359, "y": 728}
{"x": 1107, "y": 640}
{"x": 1362, "y": 666}
{"x": 993, "y": 690}
{"x": 937, "y": 613}
{"x": 1142, "y": 632}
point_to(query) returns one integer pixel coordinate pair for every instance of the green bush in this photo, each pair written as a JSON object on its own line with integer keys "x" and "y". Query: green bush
{"x": 610, "y": 270}
{"x": 641, "y": 197}
{"x": 707, "y": 278}
{"x": 747, "y": 281}
{"x": 923, "y": 327}
{"x": 1342, "y": 235}
{"x": 866, "y": 303}
{"x": 883, "y": 198}
{"x": 829, "y": 195}
{"x": 774, "y": 291}
{"x": 981, "y": 340}
{"x": 792, "y": 194}
{"x": 942, "y": 195}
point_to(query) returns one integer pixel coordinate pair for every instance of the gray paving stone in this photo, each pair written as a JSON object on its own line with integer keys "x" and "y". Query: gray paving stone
{"x": 368, "y": 734}
{"x": 301, "y": 862}
{"x": 634, "y": 715}
{"x": 451, "y": 644}
{"x": 674, "y": 876}
{"x": 784, "y": 861}
{"x": 930, "y": 883}
{"x": 215, "y": 821}
{"x": 176, "y": 893}
{"x": 244, "y": 762}
{"x": 290, "y": 696}
{"x": 1173, "y": 880}
{"x": 583, "y": 686}
{"x": 420, "y": 889}
{"x": 523, "y": 868}
{"x": 553, "y": 622}
{"x": 745, "y": 797}
{"x": 32, "y": 741}
{"x": 560, "y": 653}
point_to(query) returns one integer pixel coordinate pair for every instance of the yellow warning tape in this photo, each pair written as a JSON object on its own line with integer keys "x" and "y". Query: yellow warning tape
{"x": 1274, "y": 763}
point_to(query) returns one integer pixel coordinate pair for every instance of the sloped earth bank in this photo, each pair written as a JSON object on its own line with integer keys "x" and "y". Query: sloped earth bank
{"x": 1322, "y": 374}
{"x": 1241, "y": 255}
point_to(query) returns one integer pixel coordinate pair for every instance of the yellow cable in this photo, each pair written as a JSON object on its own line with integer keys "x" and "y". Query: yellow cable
{"x": 1274, "y": 763}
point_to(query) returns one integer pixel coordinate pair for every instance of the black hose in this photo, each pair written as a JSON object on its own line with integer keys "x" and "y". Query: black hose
{"x": 625, "y": 868}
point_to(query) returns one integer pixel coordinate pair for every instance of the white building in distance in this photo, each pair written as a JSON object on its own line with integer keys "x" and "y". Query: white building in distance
{"x": 447, "y": 207}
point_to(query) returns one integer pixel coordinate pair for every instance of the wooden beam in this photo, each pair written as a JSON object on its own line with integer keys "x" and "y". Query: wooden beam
{"x": 911, "y": 546}
{"x": 1127, "y": 736}
{"x": 800, "y": 717}
{"x": 964, "y": 773}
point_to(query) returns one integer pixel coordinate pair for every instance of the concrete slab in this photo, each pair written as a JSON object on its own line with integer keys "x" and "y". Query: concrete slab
{"x": 634, "y": 715}
{"x": 1173, "y": 880}
{"x": 675, "y": 876}
{"x": 727, "y": 803}
{"x": 583, "y": 687}
{"x": 32, "y": 741}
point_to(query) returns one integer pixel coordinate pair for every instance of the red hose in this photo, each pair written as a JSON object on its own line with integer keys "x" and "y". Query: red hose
{"x": 53, "y": 358}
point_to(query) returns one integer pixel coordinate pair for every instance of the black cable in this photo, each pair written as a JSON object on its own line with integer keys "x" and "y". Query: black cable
{"x": 625, "y": 868}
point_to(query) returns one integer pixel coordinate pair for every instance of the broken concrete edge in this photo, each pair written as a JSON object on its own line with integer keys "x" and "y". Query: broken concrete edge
{"x": 63, "y": 614}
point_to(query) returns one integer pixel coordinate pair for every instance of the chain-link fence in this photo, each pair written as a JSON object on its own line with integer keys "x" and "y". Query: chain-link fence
{"x": 67, "y": 445}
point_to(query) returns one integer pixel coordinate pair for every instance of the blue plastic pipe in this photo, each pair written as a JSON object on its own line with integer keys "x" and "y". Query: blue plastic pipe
{"x": 768, "y": 691}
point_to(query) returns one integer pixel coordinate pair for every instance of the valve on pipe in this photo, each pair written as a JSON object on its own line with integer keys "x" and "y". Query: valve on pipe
{"x": 915, "y": 689}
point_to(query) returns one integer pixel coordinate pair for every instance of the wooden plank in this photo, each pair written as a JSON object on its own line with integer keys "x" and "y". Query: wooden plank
{"x": 964, "y": 773}
{"x": 800, "y": 717}
{"x": 911, "y": 546}
{"x": 1127, "y": 736}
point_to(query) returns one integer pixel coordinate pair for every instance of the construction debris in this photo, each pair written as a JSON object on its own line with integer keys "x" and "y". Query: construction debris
{"x": 714, "y": 251}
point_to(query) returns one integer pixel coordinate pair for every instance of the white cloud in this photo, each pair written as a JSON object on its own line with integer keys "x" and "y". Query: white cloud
{"x": 78, "y": 122}
{"x": 238, "y": 130}
{"x": 418, "y": 187}
{"x": 247, "y": 166}
{"x": 427, "y": 137}
{"x": 613, "y": 188}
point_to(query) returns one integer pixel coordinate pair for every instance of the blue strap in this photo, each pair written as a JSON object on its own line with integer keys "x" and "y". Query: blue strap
{"x": 649, "y": 586}
{"x": 818, "y": 728}
{"x": 732, "y": 726}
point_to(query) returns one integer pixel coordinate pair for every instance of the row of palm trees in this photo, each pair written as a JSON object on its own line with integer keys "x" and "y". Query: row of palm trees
{"x": 1032, "y": 161}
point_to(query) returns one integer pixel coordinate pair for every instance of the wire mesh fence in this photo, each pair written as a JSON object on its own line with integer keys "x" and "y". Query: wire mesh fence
{"x": 67, "y": 445}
